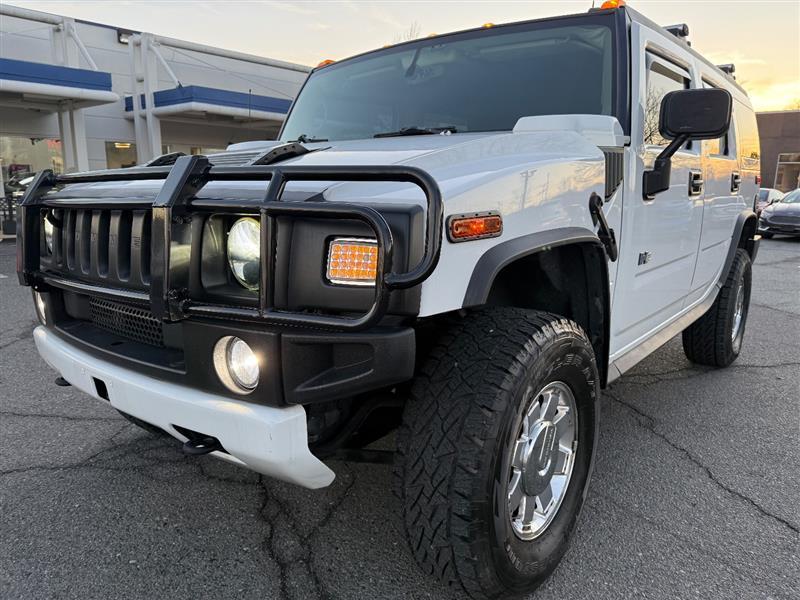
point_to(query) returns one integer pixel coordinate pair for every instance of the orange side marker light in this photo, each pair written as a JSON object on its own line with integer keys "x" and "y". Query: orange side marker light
{"x": 462, "y": 228}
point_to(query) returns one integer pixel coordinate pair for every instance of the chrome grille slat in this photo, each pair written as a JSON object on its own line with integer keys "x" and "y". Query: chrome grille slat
{"x": 69, "y": 239}
{"x": 83, "y": 240}
{"x": 110, "y": 247}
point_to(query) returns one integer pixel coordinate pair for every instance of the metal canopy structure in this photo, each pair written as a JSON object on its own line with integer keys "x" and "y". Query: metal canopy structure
{"x": 195, "y": 101}
{"x": 52, "y": 88}
{"x": 63, "y": 86}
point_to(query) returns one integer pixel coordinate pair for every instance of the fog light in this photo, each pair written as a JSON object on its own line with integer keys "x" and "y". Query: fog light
{"x": 41, "y": 307}
{"x": 236, "y": 364}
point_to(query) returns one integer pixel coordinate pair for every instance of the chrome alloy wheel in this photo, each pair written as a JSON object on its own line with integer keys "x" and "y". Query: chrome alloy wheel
{"x": 543, "y": 455}
{"x": 738, "y": 314}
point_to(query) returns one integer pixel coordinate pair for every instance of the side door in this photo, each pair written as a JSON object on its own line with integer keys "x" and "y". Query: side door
{"x": 722, "y": 202}
{"x": 659, "y": 238}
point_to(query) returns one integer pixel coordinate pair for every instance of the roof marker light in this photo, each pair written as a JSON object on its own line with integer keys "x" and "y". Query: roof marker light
{"x": 487, "y": 25}
{"x": 325, "y": 63}
{"x": 609, "y": 4}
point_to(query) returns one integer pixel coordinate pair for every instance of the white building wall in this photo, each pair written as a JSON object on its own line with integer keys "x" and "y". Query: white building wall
{"x": 31, "y": 41}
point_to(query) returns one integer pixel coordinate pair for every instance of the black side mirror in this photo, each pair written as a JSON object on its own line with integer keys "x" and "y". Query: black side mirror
{"x": 701, "y": 114}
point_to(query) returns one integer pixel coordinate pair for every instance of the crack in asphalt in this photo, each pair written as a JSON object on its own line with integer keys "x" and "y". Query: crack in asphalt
{"x": 692, "y": 372}
{"x": 648, "y": 423}
{"x": 783, "y": 261}
{"x": 780, "y": 310}
{"x": 9, "y": 413}
{"x": 731, "y": 567}
{"x": 24, "y": 334}
{"x": 80, "y": 464}
{"x": 276, "y": 512}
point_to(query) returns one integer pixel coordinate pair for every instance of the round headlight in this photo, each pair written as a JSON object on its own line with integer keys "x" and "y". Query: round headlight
{"x": 49, "y": 231}
{"x": 244, "y": 250}
{"x": 236, "y": 364}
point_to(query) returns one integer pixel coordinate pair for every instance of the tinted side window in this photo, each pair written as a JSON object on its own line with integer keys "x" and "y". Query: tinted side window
{"x": 720, "y": 146}
{"x": 660, "y": 81}
{"x": 747, "y": 131}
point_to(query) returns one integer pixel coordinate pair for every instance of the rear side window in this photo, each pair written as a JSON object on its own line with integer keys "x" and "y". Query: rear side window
{"x": 747, "y": 131}
{"x": 719, "y": 146}
{"x": 660, "y": 81}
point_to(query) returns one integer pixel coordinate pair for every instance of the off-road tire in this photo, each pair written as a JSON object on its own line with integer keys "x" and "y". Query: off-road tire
{"x": 709, "y": 340}
{"x": 453, "y": 447}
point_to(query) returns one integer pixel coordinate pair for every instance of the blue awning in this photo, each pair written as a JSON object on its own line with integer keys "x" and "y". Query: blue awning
{"x": 195, "y": 98}
{"x": 22, "y": 70}
{"x": 40, "y": 83}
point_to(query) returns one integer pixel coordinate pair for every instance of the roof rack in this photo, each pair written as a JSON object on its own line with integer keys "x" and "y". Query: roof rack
{"x": 728, "y": 68}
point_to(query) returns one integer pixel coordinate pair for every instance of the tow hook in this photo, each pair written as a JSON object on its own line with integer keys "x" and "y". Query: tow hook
{"x": 201, "y": 445}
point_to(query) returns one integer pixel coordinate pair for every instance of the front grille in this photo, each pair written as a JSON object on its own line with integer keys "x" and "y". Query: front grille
{"x": 110, "y": 247}
{"x": 127, "y": 321}
{"x": 778, "y": 220}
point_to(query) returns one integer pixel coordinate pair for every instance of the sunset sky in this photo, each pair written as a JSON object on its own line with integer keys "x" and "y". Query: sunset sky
{"x": 759, "y": 36}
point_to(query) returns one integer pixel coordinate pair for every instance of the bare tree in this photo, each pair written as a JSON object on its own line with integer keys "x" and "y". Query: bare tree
{"x": 409, "y": 34}
{"x": 652, "y": 110}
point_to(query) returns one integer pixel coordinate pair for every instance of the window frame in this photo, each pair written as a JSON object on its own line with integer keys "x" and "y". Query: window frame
{"x": 673, "y": 71}
{"x": 730, "y": 150}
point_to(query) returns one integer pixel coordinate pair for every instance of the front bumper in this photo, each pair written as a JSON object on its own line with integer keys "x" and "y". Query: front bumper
{"x": 272, "y": 441}
{"x": 781, "y": 228}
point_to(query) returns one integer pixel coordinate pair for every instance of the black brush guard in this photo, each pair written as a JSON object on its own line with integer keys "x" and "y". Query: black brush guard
{"x": 182, "y": 182}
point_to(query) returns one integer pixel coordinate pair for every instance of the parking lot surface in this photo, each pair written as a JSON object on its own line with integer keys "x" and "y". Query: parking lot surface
{"x": 695, "y": 492}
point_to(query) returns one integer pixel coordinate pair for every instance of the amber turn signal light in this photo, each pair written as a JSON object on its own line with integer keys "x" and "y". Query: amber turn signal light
{"x": 462, "y": 228}
{"x": 609, "y": 4}
{"x": 352, "y": 261}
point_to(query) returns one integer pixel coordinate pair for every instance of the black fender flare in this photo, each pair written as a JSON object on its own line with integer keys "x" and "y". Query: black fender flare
{"x": 744, "y": 219}
{"x": 505, "y": 253}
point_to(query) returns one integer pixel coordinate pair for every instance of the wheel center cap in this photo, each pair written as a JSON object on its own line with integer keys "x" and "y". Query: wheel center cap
{"x": 539, "y": 459}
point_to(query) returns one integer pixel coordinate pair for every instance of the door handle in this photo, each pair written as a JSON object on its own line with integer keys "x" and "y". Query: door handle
{"x": 695, "y": 183}
{"x": 736, "y": 181}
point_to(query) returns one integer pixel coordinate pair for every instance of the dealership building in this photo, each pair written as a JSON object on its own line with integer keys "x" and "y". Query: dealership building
{"x": 780, "y": 149}
{"x": 76, "y": 95}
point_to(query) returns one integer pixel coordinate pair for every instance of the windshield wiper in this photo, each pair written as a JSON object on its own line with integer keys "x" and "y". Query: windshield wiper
{"x": 306, "y": 139}
{"x": 418, "y": 131}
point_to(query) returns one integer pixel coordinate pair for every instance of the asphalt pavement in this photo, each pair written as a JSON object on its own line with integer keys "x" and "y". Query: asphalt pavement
{"x": 696, "y": 491}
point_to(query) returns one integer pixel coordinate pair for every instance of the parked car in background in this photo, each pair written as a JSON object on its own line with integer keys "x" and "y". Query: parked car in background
{"x": 781, "y": 216}
{"x": 13, "y": 191}
{"x": 766, "y": 196}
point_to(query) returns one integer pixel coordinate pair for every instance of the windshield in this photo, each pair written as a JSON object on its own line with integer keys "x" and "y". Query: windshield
{"x": 791, "y": 198}
{"x": 475, "y": 81}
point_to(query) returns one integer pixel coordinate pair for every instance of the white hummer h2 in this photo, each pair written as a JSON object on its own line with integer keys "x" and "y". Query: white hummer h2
{"x": 467, "y": 236}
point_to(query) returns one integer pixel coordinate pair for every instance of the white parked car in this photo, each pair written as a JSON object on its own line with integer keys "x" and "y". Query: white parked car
{"x": 479, "y": 230}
